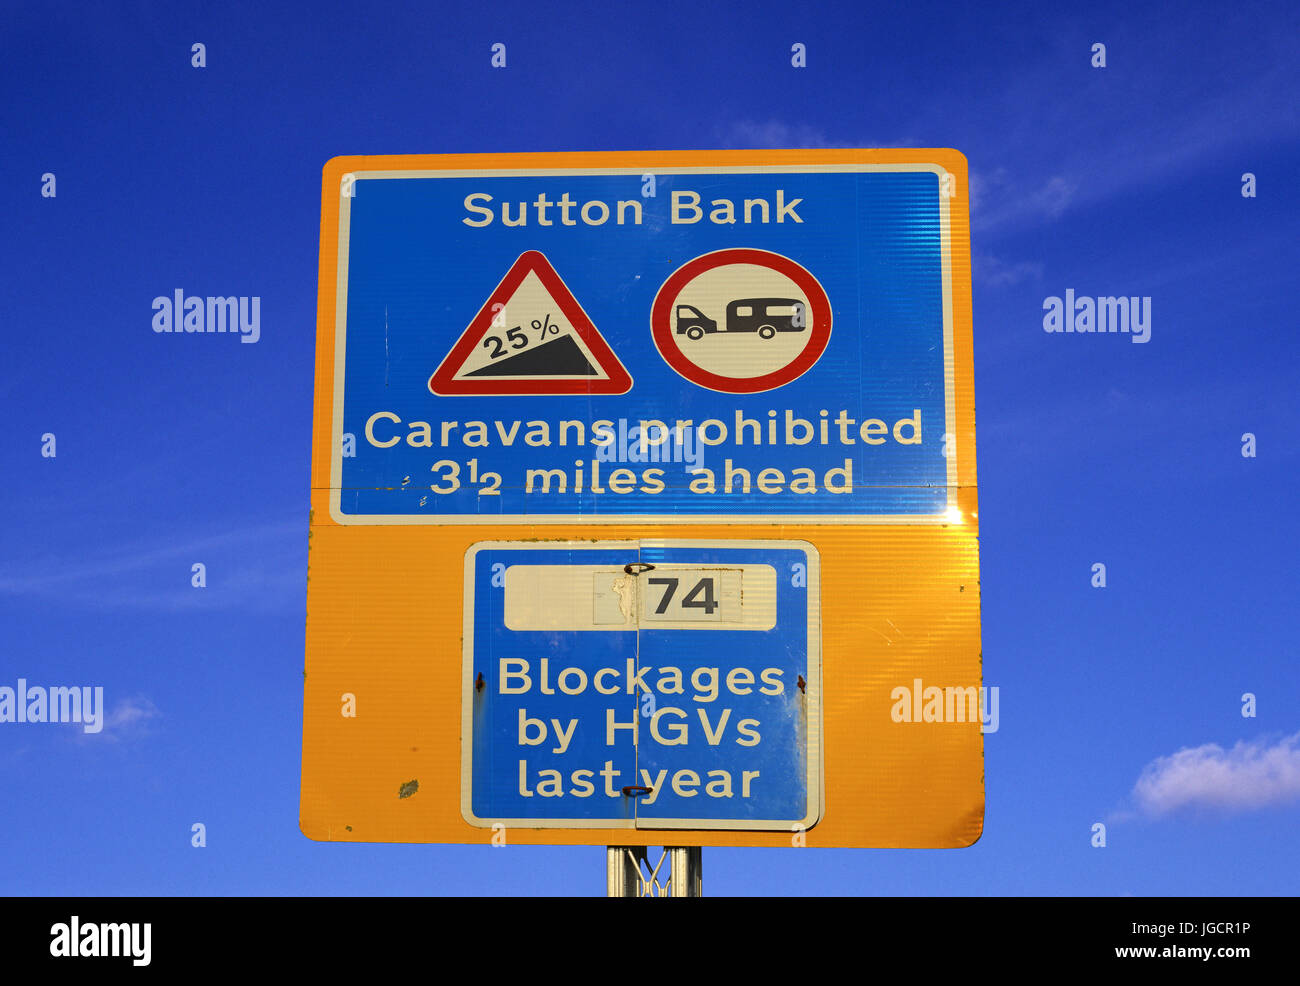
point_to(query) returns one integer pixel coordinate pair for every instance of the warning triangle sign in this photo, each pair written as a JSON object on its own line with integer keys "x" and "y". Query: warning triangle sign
{"x": 530, "y": 337}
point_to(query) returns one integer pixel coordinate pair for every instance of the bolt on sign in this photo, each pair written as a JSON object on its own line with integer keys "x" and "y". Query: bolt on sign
{"x": 644, "y": 498}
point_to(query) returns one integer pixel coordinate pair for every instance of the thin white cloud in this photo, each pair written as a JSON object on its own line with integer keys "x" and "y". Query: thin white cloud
{"x": 266, "y": 567}
{"x": 130, "y": 712}
{"x": 997, "y": 198}
{"x": 996, "y": 272}
{"x": 770, "y": 133}
{"x": 1249, "y": 776}
{"x": 779, "y": 134}
{"x": 1010, "y": 120}
{"x": 127, "y": 718}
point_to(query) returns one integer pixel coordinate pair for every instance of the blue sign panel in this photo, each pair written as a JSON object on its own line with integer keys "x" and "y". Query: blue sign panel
{"x": 665, "y": 684}
{"x": 770, "y": 344}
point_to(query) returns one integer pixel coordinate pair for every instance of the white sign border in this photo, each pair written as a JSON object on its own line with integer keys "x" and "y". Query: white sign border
{"x": 815, "y": 782}
{"x": 948, "y": 515}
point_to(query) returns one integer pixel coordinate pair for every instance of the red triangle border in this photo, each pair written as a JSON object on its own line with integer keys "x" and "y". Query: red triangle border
{"x": 444, "y": 384}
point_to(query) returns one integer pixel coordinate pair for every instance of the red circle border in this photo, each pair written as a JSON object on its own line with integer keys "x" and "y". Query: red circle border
{"x": 661, "y": 323}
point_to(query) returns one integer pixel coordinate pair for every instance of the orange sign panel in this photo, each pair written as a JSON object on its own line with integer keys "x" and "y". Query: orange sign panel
{"x": 644, "y": 501}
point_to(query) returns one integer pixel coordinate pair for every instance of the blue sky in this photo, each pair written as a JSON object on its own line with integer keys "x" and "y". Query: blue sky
{"x": 1122, "y": 180}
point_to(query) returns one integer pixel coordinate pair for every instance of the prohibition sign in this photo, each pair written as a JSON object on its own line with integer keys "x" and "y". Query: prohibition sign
{"x": 741, "y": 321}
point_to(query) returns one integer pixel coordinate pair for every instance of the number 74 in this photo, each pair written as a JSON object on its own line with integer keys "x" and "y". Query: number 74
{"x": 700, "y": 597}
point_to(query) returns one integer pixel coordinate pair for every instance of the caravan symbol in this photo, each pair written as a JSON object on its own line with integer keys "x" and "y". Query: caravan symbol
{"x": 766, "y": 316}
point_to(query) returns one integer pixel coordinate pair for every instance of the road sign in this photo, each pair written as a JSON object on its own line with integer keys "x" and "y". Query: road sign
{"x": 727, "y": 420}
{"x": 755, "y": 363}
{"x": 642, "y": 684}
{"x": 773, "y": 323}
{"x": 531, "y": 337}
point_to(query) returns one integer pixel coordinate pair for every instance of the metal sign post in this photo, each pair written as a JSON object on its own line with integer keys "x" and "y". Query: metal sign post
{"x": 628, "y": 872}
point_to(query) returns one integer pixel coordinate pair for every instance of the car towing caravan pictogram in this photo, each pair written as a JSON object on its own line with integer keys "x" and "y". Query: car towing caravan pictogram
{"x": 766, "y": 316}
{"x": 756, "y": 293}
